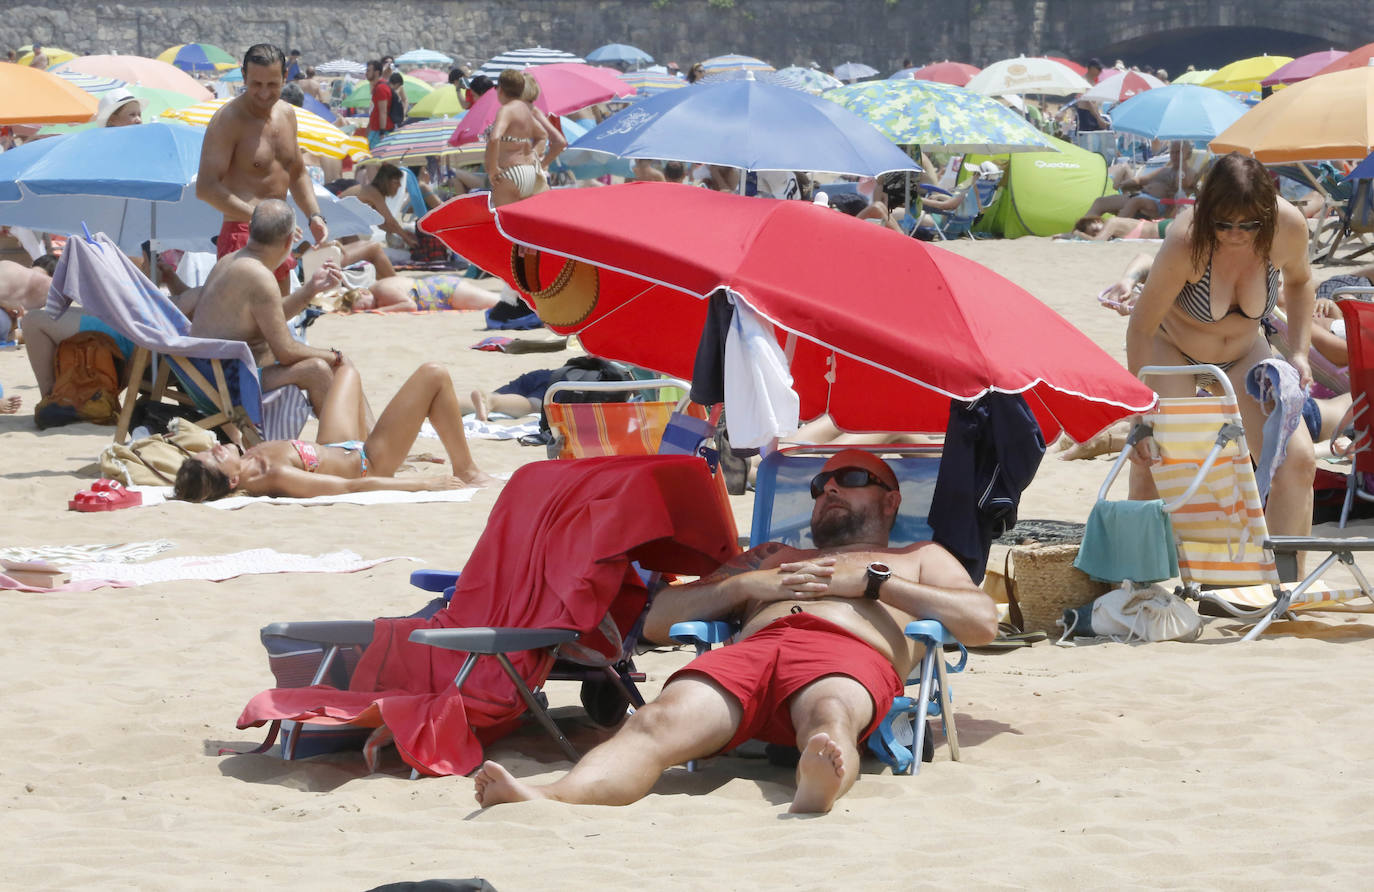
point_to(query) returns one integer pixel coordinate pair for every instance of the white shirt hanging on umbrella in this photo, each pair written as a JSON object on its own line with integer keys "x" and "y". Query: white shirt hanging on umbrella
{"x": 760, "y": 404}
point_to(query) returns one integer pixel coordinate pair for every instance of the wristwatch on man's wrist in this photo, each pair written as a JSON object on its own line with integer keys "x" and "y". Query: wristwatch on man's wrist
{"x": 877, "y": 575}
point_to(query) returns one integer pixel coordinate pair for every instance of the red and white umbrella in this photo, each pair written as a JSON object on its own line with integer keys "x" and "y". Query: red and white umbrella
{"x": 881, "y": 341}
{"x": 1122, "y": 85}
{"x": 564, "y": 87}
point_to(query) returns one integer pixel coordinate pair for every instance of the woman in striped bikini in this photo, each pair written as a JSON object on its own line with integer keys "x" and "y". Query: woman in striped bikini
{"x": 1215, "y": 277}
{"x": 347, "y": 458}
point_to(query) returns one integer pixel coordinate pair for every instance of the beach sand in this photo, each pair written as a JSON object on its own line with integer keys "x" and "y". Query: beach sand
{"x": 1212, "y": 764}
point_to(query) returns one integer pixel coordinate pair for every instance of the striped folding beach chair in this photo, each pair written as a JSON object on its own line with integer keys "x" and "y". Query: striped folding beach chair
{"x": 1225, "y": 553}
{"x": 617, "y": 426}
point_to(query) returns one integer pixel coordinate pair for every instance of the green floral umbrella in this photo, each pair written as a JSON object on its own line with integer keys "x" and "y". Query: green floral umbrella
{"x": 941, "y": 117}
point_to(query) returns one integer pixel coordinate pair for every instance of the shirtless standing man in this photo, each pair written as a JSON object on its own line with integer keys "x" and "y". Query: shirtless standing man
{"x": 239, "y": 302}
{"x": 822, "y": 656}
{"x": 250, "y": 155}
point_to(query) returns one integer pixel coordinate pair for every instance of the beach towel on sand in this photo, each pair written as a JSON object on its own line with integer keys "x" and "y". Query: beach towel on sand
{"x": 556, "y": 553}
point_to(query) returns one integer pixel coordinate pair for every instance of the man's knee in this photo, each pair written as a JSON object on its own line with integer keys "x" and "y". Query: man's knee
{"x": 834, "y": 703}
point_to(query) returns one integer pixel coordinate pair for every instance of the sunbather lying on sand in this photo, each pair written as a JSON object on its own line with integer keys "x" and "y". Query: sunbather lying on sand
{"x": 403, "y": 294}
{"x": 348, "y": 459}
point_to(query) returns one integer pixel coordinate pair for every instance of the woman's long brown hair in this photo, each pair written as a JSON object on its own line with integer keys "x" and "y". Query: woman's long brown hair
{"x": 1236, "y": 188}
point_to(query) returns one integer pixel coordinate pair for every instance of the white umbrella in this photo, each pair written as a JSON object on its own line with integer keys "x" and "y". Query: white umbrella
{"x": 1027, "y": 75}
{"x": 341, "y": 68}
{"x": 852, "y": 71}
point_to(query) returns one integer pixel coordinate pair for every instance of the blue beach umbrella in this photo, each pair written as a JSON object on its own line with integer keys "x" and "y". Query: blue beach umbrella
{"x": 749, "y": 125}
{"x": 619, "y": 54}
{"x": 132, "y": 183}
{"x": 1177, "y": 112}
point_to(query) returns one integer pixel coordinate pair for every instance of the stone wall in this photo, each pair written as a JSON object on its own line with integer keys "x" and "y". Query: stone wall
{"x": 879, "y": 32}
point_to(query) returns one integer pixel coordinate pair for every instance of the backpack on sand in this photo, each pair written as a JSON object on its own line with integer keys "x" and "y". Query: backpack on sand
{"x": 86, "y": 386}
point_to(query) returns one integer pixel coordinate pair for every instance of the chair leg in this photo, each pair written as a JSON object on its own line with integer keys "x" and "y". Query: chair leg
{"x": 946, "y": 707}
{"x": 126, "y": 411}
{"x": 539, "y": 711}
{"x": 1351, "y": 484}
{"x": 922, "y": 702}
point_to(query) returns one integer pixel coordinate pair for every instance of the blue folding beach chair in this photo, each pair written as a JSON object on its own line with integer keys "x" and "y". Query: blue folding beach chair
{"x": 782, "y": 513}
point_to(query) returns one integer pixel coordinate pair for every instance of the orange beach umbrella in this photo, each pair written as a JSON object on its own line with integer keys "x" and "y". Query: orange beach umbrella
{"x": 1329, "y": 117}
{"x": 33, "y": 96}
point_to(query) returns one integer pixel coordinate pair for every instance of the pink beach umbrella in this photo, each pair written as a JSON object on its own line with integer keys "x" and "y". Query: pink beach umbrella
{"x": 141, "y": 71}
{"x": 430, "y": 75}
{"x": 1359, "y": 57}
{"x": 564, "y": 87}
{"x": 956, "y": 73}
{"x": 1303, "y": 67}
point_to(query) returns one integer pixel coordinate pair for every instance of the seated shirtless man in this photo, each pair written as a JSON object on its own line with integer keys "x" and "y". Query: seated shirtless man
{"x": 822, "y": 657}
{"x": 239, "y": 301}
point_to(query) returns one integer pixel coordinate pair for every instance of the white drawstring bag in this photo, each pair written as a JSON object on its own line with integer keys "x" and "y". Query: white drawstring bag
{"x": 1134, "y": 613}
{"x": 1152, "y": 613}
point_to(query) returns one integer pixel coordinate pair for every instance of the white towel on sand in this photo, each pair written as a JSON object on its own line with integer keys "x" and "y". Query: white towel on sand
{"x": 215, "y": 567}
{"x": 156, "y": 495}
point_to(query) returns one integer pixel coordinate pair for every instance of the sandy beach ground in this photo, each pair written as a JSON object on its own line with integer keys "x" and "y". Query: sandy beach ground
{"x": 1206, "y": 765}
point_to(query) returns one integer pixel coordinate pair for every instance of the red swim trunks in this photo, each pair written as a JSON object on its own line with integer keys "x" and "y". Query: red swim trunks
{"x": 234, "y": 235}
{"x": 783, "y": 657}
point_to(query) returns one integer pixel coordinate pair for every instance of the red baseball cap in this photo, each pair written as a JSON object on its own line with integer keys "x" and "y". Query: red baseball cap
{"x": 859, "y": 458}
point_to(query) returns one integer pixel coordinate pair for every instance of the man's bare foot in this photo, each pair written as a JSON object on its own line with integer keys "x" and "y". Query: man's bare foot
{"x": 819, "y": 774}
{"x": 10, "y": 404}
{"x": 494, "y": 785}
{"x": 479, "y": 404}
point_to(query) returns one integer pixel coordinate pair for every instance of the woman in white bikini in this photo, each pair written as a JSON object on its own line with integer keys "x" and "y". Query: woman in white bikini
{"x": 515, "y": 145}
{"x": 349, "y": 459}
{"x": 1215, "y": 277}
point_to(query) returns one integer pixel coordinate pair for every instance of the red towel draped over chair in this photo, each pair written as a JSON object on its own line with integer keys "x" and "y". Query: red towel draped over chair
{"x": 556, "y": 553}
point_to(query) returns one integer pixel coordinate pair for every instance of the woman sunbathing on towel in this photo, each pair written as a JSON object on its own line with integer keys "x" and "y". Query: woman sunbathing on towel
{"x": 349, "y": 459}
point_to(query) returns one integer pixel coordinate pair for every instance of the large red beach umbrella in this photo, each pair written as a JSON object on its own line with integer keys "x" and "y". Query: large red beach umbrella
{"x": 880, "y": 330}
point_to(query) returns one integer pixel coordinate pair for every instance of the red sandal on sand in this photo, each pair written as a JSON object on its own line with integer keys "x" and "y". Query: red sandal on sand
{"x": 105, "y": 495}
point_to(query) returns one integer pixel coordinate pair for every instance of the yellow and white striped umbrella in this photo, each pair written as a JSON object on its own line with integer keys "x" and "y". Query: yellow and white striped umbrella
{"x": 313, "y": 133}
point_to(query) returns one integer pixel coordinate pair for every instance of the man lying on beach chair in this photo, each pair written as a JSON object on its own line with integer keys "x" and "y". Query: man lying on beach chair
{"x": 821, "y": 659}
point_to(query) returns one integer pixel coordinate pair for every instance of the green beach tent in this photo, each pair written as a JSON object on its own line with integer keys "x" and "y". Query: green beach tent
{"x": 1044, "y": 193}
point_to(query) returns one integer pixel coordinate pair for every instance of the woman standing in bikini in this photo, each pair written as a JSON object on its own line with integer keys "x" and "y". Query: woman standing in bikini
{"x": 1215, "y": 277}
{"x": 515, "y": 145}
{"x": 348, "y": 458}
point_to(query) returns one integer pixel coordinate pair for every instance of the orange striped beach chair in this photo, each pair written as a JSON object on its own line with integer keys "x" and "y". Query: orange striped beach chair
{"x": 1225, "y": 553}
{"x": 616, "y": 426}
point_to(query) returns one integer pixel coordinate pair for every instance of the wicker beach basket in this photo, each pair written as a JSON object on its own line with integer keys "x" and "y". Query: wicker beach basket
{"x": 1043, "y": 582}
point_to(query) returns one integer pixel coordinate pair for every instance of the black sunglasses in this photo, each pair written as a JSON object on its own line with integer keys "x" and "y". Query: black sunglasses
{"x": 1224, "y": 226}
{"x": 849, "y": 478}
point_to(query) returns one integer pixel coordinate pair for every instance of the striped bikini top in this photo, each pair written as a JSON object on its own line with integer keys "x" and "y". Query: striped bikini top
{"x": 1195, "y": 298}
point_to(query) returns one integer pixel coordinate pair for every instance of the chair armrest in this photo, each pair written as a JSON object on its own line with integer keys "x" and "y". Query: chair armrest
{"x": 933, "y": 634}
{"x": 434, "y": 580}
{"x": 1292, "y": 544}
{"x": 328, "y": 632}
{"x": 492, "y": 640}
{"x": 702, "y": 632}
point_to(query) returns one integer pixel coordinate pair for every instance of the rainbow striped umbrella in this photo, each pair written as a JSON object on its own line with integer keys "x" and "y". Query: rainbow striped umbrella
{"x": 647, "y": 83}
{"x": 193, "y": 57}
{"x": 313, "y": 133}
{"x": 422, "y": 140}
{"x": 734, "y": 62}
{"x": 94, "y": 84}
